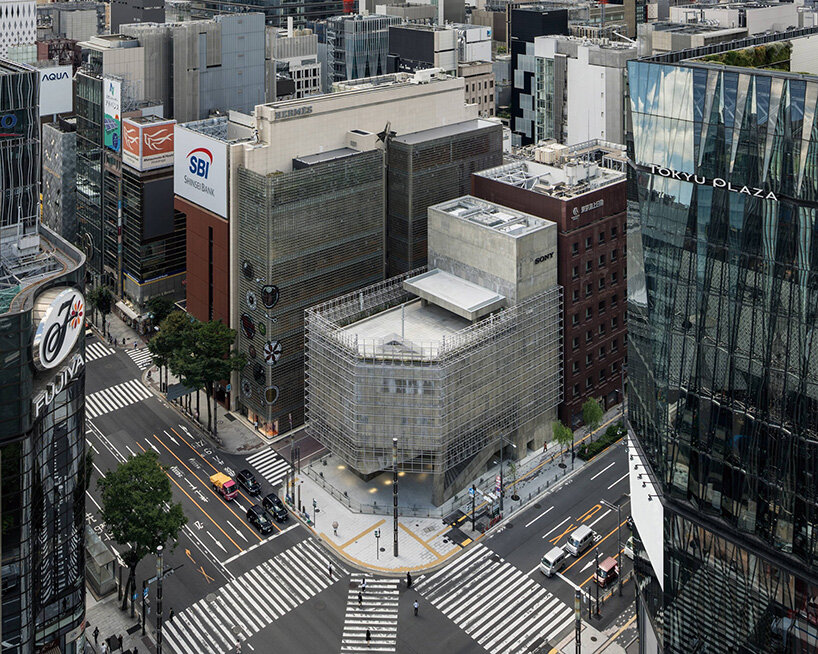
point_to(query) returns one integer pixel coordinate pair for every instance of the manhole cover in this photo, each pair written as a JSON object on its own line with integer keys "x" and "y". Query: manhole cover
{"x": 593, "y": 639}
{"x": 320, "y": 605}
{"x": 495, "y": 558}
{"x": 383, "y": 549}
{"x": 562, "y": 465}
{"x": 509, "y": 525}
{"x": 537, "y": 505}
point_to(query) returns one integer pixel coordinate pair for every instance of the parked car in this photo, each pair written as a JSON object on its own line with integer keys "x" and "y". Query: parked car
{"x": 258, "y": 518}
{"x": 248, "y": 480}
{"x": 607, "y": 572}
{"x": 275, "y": 507}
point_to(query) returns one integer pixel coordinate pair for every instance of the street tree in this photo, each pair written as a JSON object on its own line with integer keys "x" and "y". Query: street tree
{"x": 102, "y": 300}
{"x": 591, "y": 414}
{"x": 175, "y": 331}
{"x": 207, "y": 357}
{"x": 563, "y": 435}
{"x": 137, "y": 509}
{"x": 160, "y": 307}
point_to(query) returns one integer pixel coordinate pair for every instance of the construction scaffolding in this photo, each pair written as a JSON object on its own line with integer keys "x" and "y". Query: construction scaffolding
{"x": 445, "y": 401}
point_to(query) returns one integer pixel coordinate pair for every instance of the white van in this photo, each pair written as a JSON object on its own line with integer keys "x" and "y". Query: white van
{"x": 553, "y": 561}
{"x": 580, "y": 540}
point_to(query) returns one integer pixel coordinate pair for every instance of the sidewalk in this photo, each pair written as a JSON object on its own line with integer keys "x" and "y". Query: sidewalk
{"x": 351, "y": 511}
{"x": 106, "y": 616}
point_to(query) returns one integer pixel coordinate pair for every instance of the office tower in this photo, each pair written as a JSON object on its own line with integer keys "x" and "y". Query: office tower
{"x": 42, "y": 433}
{"x": 292, "y": 69}
{"x": 77, "y": 20}
{"x": 358, "y": 46}
{"x": 124, "y": 12}
{"x": 723, "y": 391}
{"x": 60, "y": 177}
{"x": 414, "y": 356}
{"x": 18, "y": 24}
{"x": 582, "y": 189}
{"x": 276, "y": 12}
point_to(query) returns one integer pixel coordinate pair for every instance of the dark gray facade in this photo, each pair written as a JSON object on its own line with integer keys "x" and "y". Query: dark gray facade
{"x": 305, "y": 236}
{"x": 60, "y": 178}
{"x": 136, "y": 11}
{"x": 428, "y": 167}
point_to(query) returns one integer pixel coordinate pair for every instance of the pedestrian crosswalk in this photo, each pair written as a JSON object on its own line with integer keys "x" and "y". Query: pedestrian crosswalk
{"x": 377, "y": 611}
{"x": 115, "y": 397}
{"x": 270, "y": 465}
{"x": 97, "y": 350}
{"x": 252, "y": 601}
{"x": 504, "y": 610}
{"x": 141, "y": 357}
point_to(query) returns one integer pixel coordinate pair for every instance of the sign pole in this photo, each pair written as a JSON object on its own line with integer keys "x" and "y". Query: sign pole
{"x": 395, "y": 494}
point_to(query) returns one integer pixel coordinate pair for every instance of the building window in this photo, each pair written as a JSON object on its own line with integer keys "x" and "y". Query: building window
{"x": 575, "y": 272}
{"x": 589, "y": 266}
{"x": 614, "y": 299}
{"x": 589, "y": 288}
{"x": 575, "y": 366}
{"x": 574, "y": 248}
{"x": 588, "y": 359}
{"x": 601, "y": 328}
{"x": 601, "y": 260}
{"x": 601, "y": 306}
{"x": 589, "y": 313}
{"x": 575, "y": 343}
{"x": 601, "y": 282}
{"x": 588, "y": 336}
{"x": 614, "y": 277}
{"x": 613, "y": 255}
{"x": 602, "y": 236}
{"x": 589, "y": 382}
{"x": 575, "y": 295}
{"x": 601, "y": 374}
{"x": 613, "y": 231}
{"x": 576, "y": 390}
{"x": 602, "y": 352}
{"x": 613, "y": 322}
{"x": 575, "y": 319}
{"x": 589, "y": 242}
{"x": 614, "y": 345}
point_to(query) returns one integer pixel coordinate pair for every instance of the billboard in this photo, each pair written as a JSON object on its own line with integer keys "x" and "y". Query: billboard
{"x": 112, "y": 112}
{"x": 56, "y": 90}
{"x": 200, "y": 170}
{"x": 146, "y": 146}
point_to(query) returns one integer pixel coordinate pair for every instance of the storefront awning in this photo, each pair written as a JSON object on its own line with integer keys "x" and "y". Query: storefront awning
{"x": 127, "y": 311}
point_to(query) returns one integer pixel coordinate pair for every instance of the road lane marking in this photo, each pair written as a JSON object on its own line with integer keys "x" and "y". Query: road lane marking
{"x": 617, "y": 634}
{"x": 171, "y": 437}
{"x": 538, "y": 517}
{"x": 266, "y": 540}
{"x": 215, "y": 540}
{"x": 130, "y": 451}
{"x": 236, "y": 530}
{"x": 556, "y": 527}
{"x": 173, "y": 454}
{"x": 610, "y": 465}
{"x": 618, "y": 480}
{"x": 203, "y": 511}
{"x": 596, "y": 544}
{"x": 590, "y": 513}
{"x": 570, "y": 583}
{"x": 599, "y": 518}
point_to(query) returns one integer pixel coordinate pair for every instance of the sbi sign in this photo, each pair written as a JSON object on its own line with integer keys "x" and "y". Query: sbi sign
{"x": 199, "y": 162}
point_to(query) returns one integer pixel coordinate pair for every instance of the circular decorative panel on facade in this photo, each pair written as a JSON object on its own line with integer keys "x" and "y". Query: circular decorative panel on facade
{"x": 271, "y": 394}
{"x": 269, "y": 296}
{"x": 262, "y": 329}
{"x": 251, "y": 351}
{"x": 246, "y": 388}
{"x": 247, "y": 325}
{"x": 247, "y": 269}
{"x": 272, "y": 352}
{"x": 251, "y": 300}
{"x": 258, "y": 373}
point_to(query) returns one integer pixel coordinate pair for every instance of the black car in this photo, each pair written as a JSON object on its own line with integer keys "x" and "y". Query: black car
{"x": 259, "y": 519}
{"x": 276, "y": 507}
{"x": 248, "y": 480}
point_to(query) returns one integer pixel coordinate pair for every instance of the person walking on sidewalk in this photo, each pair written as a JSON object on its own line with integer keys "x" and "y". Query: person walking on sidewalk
{"x": 330, "y": 570}
{"x": 368, "y": 638}
{"x": 363, "y": 584}
{"x": 408, "y": 580}
{"x": 415, "y": 605}
{"x": 96, "y": 636}
{"x": 360, "y": 599}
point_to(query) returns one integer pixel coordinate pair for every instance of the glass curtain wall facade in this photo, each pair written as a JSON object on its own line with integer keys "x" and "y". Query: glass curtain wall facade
{"x": 358, "y": 46}
{"x": 275, "y": 12}
{"x": 723, "y": 390}
{"x": 304, "y": 237}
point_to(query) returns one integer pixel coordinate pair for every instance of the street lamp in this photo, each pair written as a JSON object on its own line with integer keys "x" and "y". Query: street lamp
{"x": 596, "y": 572}
{"x": 618, "y": 539}
{"x": 377, "y": 543}
{"x": 159, "y": 573}
{"x": 503, "y": 441}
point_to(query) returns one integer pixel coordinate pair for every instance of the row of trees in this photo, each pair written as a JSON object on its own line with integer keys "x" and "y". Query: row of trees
{"x": 199, "y": 353}
{"x": 592, "y": 417}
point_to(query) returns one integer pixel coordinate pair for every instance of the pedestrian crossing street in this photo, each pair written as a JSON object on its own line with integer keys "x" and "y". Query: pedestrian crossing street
{"x": 270, "y": 465}
{"x": 115, "y": 397}
{"x": 504, "y": 610}
{"x": 97, "y": 350}
{"x": 377, "y": 611}
{"x": 141, "y": 357}
{"x": 252, "y": 601}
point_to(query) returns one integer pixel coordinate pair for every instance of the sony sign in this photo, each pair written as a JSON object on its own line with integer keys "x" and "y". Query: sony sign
{"x": 57, "y": 385}
{"x": 543, "y": 257}
{"x": 56, "y": 90}
{"x": 715, "y": 182}
{"x": 200, "y": 170}
{"x": 297, "y": 112}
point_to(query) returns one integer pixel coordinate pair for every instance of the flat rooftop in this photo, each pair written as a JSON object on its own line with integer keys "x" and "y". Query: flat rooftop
{"x": 462, "y": 297}
{"x": 8, "y": 67}
{"x": 496, "y": 217}
{"x": 408, "y": 329}
{"x": 445, "y": 130}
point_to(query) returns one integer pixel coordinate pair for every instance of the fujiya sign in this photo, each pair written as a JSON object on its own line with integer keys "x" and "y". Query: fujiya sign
{"x": 715, "y": 182}
{"x": 54, "y": 388}
{"x": 62, "y": 318}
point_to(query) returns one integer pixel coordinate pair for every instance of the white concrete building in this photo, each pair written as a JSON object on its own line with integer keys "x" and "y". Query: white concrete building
{"x": 580, "y": 89}
{"x": 292, "y": 67}
{"x": 755, "y": 17}
{"x": 18, "y": 23}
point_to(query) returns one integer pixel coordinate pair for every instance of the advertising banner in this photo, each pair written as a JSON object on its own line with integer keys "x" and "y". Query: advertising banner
{"x": 200, "y": 170}
{"x": 146, "y": 146}
{"x": 56, "y": 90}
{"x": 112, "y": 112}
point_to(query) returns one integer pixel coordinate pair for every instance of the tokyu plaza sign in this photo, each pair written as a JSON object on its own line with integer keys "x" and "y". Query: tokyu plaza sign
{"x": 715, "y": 182}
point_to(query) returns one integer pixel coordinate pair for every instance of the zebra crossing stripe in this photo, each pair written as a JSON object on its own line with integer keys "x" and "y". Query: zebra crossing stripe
{"x": 141, "y": 357}
{"x": 378, "y": 612}
{"x": 116, "y": 397}
{"x": 97, "y": 350}
{"x": 270, "y": 465}
{"x": 496, "y": 604}
{"x": 252, "y": 601}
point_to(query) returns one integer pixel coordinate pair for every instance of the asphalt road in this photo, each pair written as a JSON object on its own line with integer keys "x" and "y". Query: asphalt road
{"x": 284, "y": 592}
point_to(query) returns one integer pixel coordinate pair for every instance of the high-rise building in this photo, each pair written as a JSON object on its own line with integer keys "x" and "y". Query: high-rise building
{"x": 582, "y": 189}
{"x": 292, "y": 68}
{"x": 723, "y": 376}
{"x": 276, "y": 12}
{"x": 78, "y": 20}
{"x": 42, "y": 398}
{"x": 358, "y": 46}
{"x": 18, "y": 24}
{"x": 124, "y": 12}
{"x": 60, "y": 177}
{"x": 414, "y": 355}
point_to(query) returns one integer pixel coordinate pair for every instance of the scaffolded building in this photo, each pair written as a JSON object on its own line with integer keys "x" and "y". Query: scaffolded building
{"x": 451, "y": 361}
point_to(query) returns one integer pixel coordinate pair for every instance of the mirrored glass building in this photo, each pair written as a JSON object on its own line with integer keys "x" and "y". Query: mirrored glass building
{"x": 722, "y": 361}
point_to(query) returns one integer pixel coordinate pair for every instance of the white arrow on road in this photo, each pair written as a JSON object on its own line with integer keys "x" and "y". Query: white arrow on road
{"x": 217, "y": 542}
{"x": 171, "y": 437}
{"x": 236, "y": 530}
